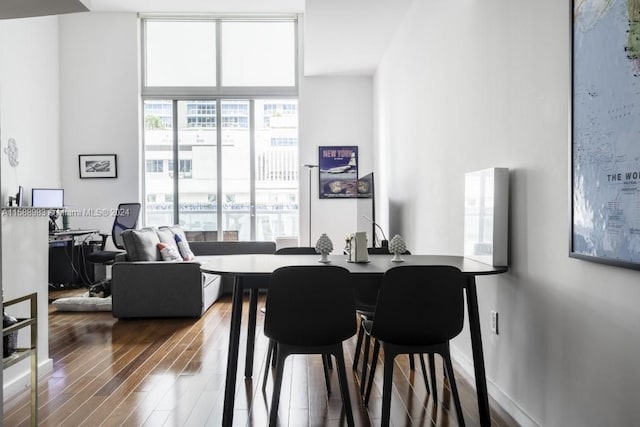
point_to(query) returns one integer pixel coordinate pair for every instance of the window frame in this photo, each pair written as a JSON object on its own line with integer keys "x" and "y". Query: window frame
{"x": 219, "y": 91}
{"x": 218, "y": 94}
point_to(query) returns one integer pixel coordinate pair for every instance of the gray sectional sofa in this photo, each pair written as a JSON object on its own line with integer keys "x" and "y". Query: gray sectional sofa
{"x": 143, "y": 285}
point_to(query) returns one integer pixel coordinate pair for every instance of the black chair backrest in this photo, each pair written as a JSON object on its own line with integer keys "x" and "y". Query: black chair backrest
{"x": 310, "y": 305}
{"x": 419, "y": 305}
{"x": 366, "y": 287}
{"x": 126, "y": 218}
{"x": 383, "y": 251}
{"x": 297, "y": 250}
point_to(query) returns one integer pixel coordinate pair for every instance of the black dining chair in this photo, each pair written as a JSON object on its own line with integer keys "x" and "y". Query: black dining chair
{"x": 296, "y": 320}
{"x": 419, "y": 310}
{"x": 294, "y": 250}
{"x": 366, "y": 294}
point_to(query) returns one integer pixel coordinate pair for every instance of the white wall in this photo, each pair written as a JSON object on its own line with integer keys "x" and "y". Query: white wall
{"x": 468, "y": 85}
{"x": 333, "y": 111}
{"x": 29, "y": 103}
{"x": 29, "y": 113}
{"x": 99, "y": 86}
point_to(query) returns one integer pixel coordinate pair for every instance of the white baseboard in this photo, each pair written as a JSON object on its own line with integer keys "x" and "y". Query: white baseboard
{"x": 504, "y": 400}
{"x": 23, "y": 381}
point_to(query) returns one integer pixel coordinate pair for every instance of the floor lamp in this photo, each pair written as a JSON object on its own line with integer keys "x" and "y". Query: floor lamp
{"x": 310, "y": 168}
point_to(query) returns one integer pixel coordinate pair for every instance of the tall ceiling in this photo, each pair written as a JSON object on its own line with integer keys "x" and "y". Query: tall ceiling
{"x": 341, "y": 37}
{"x": 349, "y": 37}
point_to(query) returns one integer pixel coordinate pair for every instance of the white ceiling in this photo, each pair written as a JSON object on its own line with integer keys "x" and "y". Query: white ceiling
{"x": 341, "y": 37}
{"x": 349, "y": 37}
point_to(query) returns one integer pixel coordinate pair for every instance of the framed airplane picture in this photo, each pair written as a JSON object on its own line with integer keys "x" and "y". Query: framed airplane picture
{"x": 338, "y": 172}
{"x": 98, "y": 166}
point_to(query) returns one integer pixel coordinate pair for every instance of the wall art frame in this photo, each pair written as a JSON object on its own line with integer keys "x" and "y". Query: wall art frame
{"x": 98, "y": 166}
{"x": 605, "y": 127}
{"x": 338, "y": 172}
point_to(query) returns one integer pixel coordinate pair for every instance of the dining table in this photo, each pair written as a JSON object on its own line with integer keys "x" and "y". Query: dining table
{"x": 246, "y": 267}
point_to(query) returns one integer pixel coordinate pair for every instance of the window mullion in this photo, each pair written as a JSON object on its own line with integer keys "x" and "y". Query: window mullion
{"x": 219, "y": 168}
{"x": 252, "y": 169}
{"x": 218, "y": 53}
{"x": 176, "y": 187}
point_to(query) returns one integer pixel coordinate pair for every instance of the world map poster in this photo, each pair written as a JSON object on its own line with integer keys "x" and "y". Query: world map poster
{"x": 606, "y": 132}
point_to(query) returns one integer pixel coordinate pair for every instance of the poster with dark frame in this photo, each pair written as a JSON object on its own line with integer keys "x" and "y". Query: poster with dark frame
{"x": 98, "y": 166}
{"x": 338, "y": 172}
{"x": 605, "y": 133}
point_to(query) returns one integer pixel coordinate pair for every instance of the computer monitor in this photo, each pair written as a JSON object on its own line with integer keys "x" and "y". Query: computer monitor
{"x": 366, "y": 209}
{"x": 47, "y": 197}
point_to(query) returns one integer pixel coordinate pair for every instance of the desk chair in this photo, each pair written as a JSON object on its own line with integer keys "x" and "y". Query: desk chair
{"x": 126, "y": 218}
{"x": 296, "y": 319}
{"x": 419, "y": 310}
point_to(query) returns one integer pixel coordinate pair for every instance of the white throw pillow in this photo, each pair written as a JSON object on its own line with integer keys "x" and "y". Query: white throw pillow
{"x": 169, "y": 252}
{"x": 185, "y": 250}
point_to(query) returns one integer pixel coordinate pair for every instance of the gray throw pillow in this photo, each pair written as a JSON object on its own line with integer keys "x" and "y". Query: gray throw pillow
{"x": 141, "y": 245}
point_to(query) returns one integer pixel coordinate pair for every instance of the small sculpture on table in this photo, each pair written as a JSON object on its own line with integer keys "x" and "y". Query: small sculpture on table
{"x": 324, "y": 246}
{"x": 397, "y": 246}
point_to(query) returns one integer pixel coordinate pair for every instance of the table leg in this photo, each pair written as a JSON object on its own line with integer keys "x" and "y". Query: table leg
{"x": 251, "y": 332}
{"x": 232, "y": 357}
{"x": 478, "y": 355}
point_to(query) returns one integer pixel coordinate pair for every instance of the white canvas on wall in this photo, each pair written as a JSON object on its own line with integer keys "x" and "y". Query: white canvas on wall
{"x": 486, "y": 216}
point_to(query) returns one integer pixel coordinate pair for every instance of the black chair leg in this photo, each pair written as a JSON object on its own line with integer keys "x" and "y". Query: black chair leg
{"x": 434, "y": 379}
{"x": 356, "y": 356}
{"x": 270, "y": 354}
{"x": 412, "y": 362}
{"x": 344, "y": 387}
{"x": 277, "y": 386}
{"x": 424, "y": 373}
{"x": 374, "y": 364}
{"x": 326, "y": 359}
{"x": 386, "y": 388}
{"x": 363, "y": 376}
{"x": 274, "y": 356}
{"x": 454, "y": 387}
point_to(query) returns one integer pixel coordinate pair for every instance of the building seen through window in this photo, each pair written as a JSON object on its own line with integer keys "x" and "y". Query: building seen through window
{"x": 275, "y": 174}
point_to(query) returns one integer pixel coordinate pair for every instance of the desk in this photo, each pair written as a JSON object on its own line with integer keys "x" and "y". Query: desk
{"x": 241, "y": 266}
{"x": 65, "y": 263}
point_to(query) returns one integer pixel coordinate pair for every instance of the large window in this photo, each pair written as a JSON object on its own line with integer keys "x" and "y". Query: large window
{"x": 221, "y": 148}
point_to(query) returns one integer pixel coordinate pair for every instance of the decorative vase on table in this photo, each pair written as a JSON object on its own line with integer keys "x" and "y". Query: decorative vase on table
{"x": 397, "y": 246}
{"x": 324, "y": 246}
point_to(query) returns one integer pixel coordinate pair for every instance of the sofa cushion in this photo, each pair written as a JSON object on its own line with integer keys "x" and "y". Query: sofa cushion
{"x": 141, "y": 245}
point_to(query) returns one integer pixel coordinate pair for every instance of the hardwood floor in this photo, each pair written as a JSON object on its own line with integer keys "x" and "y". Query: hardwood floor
{"x": 170, "y": 372}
